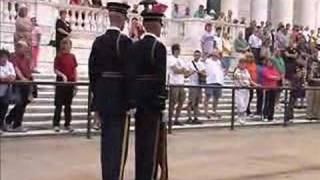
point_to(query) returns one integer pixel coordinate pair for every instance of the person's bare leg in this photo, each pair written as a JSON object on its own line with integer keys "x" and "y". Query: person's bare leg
{"x": 171, "y": 109}
{"x": 206, "y": 104}
{"x": 178, "y": 111}
{"x": 189, "y": 109}
{"x": 215, "y": 103}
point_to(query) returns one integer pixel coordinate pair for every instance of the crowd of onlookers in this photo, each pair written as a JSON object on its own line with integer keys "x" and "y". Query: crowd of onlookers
{"x": 21, "y": 65}
{"x": 259, "y": 57}
{"x": 263, "y": 56}
{"x": 203, "y": 13}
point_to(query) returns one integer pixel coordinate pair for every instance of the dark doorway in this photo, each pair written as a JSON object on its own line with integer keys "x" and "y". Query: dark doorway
{"x": 215, "y": 5}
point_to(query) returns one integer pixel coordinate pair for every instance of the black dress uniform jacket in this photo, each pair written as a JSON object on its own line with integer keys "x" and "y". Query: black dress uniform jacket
{"x": 147, "y": 73}
{"x": 108, "y": 57}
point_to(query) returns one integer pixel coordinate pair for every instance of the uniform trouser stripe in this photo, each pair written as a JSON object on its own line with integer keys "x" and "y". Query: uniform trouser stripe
{"x": 125, "y": 142}
{"x": 162, "y": 159}
{"x": 155, "y": 153}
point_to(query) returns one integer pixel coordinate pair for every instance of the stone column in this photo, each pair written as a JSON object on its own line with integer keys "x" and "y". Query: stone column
{"x": 318, "y": 14}
{"x": 282, "y": 11}
{"x": 232, "y": 5}
{"x": 259, "y": 10}
{"x": 305, "y": 12}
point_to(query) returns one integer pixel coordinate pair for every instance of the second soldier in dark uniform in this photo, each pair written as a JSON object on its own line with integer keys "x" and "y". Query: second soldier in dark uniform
{"x": 148, "y": 89}
{"x": 107, "y": 64}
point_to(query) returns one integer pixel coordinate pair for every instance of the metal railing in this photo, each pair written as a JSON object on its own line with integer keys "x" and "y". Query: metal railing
{"x": 286, "y": 90}
{"x": 170, "y": 123}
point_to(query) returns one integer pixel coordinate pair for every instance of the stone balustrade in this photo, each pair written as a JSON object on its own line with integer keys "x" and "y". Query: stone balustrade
{"x": 89, "y": 22}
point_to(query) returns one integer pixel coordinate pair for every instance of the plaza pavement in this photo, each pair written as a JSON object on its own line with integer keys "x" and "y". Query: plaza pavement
{"x": 211, "y": 154}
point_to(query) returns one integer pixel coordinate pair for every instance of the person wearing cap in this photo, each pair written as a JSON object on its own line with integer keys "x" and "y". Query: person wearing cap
{"x": 107, "y": 62}
{"x": 148, "y": 90}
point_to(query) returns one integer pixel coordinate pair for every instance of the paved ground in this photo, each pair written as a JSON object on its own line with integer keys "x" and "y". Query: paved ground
{"x": 245, "y": 154}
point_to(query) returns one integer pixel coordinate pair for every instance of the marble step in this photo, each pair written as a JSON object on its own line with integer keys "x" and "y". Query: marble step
{"x": 209, "y": 125}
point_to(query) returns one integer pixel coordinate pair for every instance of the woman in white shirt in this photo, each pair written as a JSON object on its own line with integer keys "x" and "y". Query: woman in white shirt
{"x": 7, "y": 74}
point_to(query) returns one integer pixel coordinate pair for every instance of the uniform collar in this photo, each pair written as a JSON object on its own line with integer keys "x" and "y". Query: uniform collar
{"x": 150, "y": 34}
{"x": 114, "y": 28}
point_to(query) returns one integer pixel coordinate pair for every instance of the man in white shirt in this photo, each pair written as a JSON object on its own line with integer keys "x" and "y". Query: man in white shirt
{"x": 196, "y": 75}
{"x": 215, "y": 77}
{"x": 177, "y": 70}
{"x": 7, "y": 74}
{"x": 255, "y": 43}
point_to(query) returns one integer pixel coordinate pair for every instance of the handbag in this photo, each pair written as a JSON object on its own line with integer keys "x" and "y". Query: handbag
{"x": 202, "y": 78}
{"x": 52, "y": 42}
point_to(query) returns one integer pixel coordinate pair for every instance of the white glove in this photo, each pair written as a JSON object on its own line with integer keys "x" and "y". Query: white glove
{"x": 131, "y": 112}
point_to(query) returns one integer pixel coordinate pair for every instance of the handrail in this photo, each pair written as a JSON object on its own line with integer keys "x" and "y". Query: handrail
{"x": 233, "y": 88}
{"x": 240, "y": 87}
{"x": 85, "y": 83}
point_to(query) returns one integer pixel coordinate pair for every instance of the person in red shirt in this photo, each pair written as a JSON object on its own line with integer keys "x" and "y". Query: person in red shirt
{"x": 271, "y": 78}
{"x": 22, "y": 66}
{"x": 65, "y": 67}
{"x": 75, "y": 2}
{"x": 252, "y": 69}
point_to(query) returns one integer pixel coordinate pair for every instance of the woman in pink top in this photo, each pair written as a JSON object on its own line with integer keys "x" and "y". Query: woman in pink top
{"x": 271, "y": 77}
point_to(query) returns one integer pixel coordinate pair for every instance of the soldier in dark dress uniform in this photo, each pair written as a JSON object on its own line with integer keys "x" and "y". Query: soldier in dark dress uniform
{"x": 107, "y": 64}
{"x": 147, "y": 71}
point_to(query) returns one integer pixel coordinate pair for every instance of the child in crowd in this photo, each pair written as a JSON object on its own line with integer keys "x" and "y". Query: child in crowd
{"x": 298, "y": 84}
{"x": 65, "y": 65}
{"x": 252, "y": 69}
{"x": 242, "y": 78}
{"x": 7, "y": 74}
{"x": 271, "y": 78}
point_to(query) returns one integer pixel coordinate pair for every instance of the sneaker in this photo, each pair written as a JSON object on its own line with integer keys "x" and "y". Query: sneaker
{"x": 242, "y": 121}
{"x": 56, "y": 129}
{"x": 6, "y": 127}
{"x": 189, "y": 121}
{"x": 265, "y": 120}
{"x": 177, "y": 123}
{"x": 1, "y": 131}
{"x": 69, "y": 129}
{"x": 96, "y": 127}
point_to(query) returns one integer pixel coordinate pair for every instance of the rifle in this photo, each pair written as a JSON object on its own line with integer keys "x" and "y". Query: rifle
{"x": 162, "y": 153}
